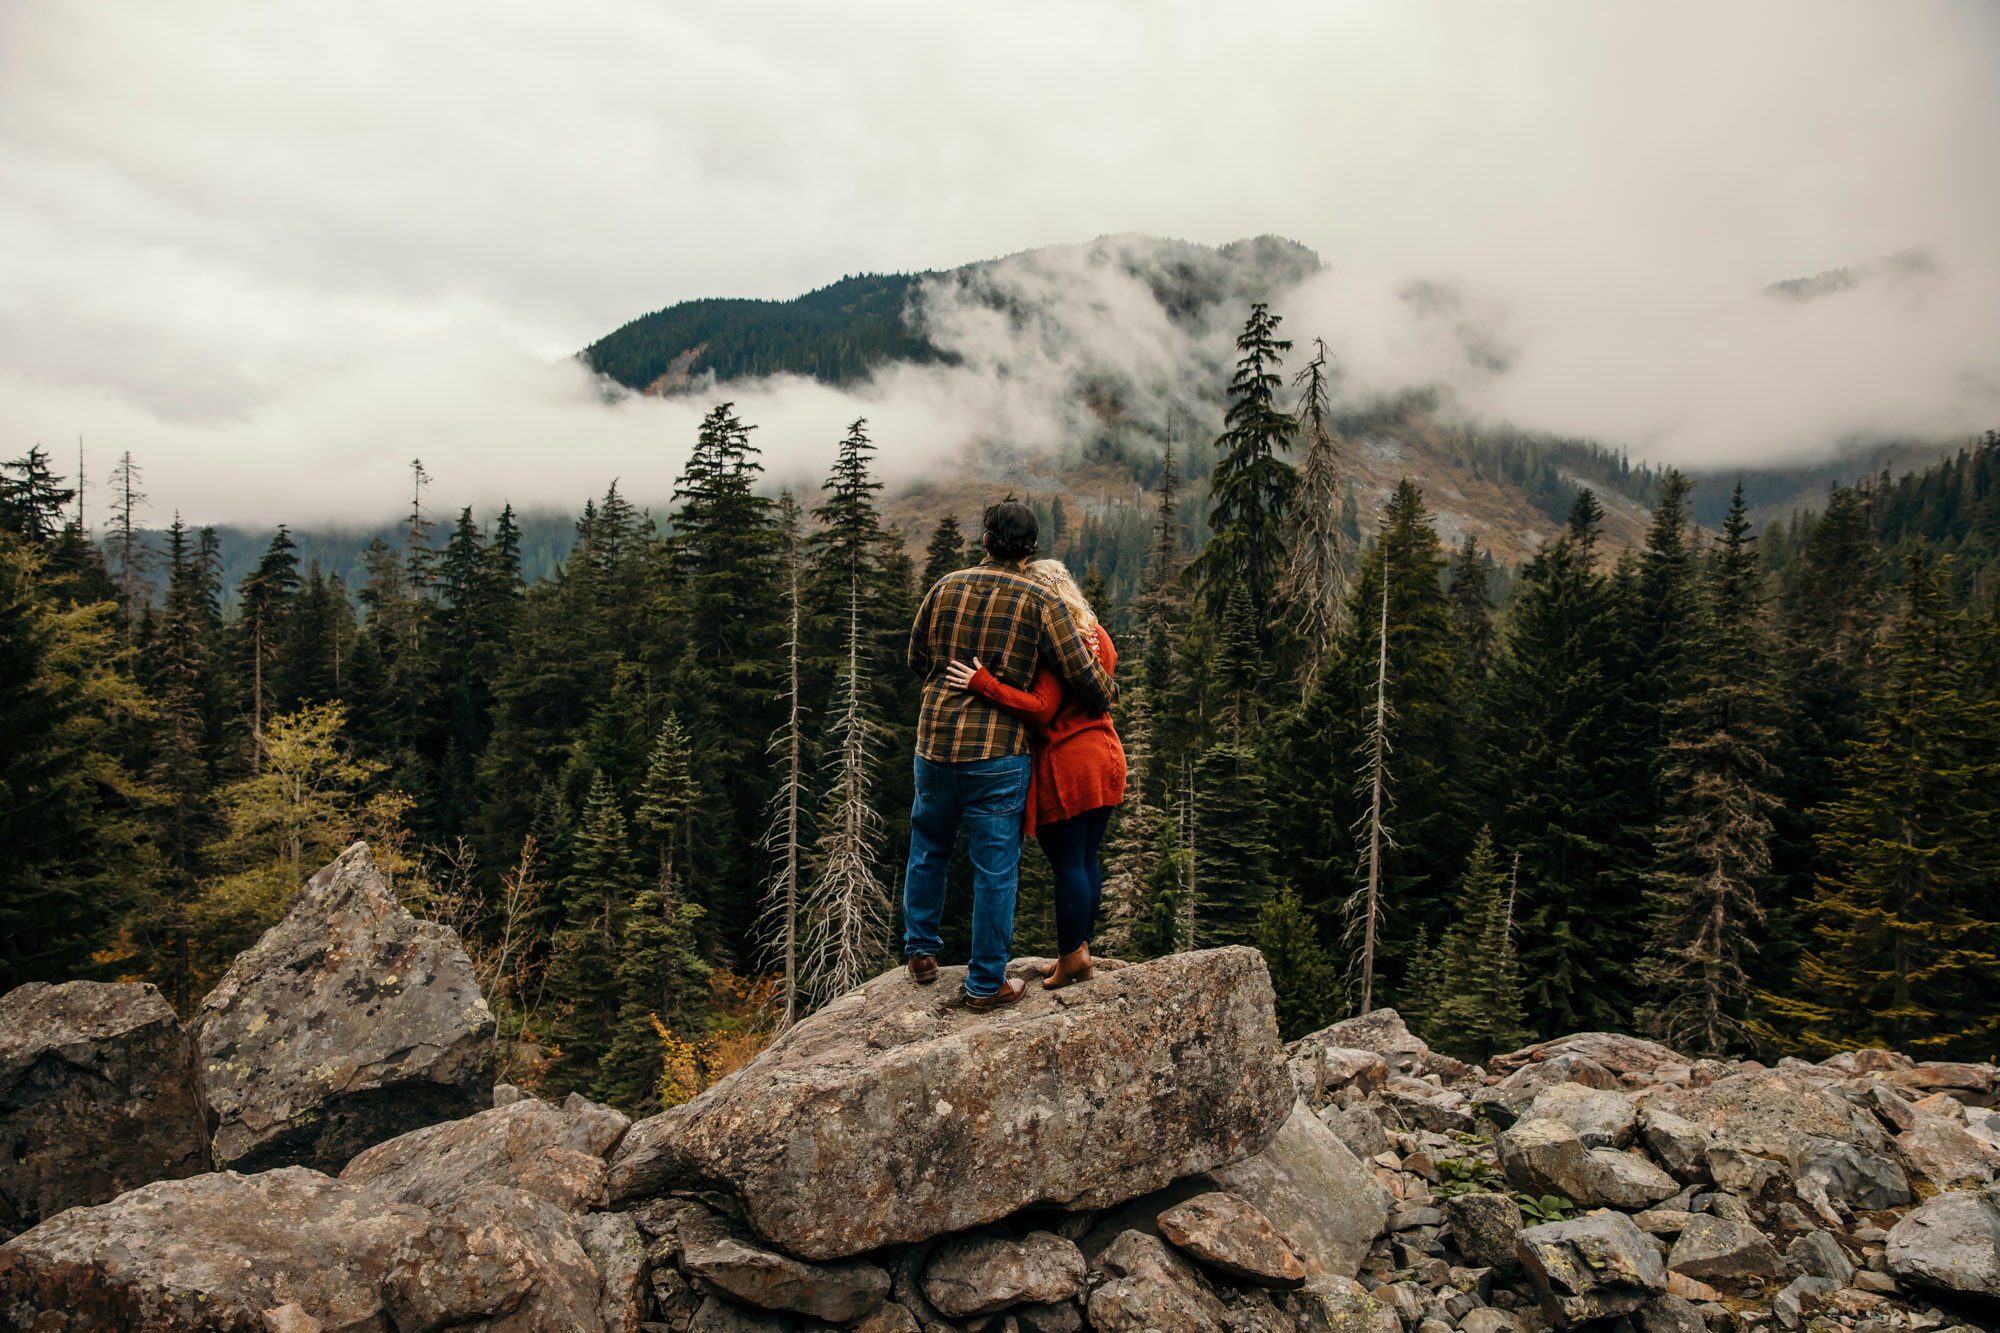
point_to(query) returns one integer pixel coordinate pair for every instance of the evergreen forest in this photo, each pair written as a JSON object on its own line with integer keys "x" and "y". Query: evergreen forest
{"x": 1738, "y": 789}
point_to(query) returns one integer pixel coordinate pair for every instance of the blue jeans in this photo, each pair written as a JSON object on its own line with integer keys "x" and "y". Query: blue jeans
{"x": 991, "y": 797}
{"x": 1072, "y": 846}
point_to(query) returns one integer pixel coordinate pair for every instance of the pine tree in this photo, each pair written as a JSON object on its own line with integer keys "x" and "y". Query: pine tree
{"x": 1305, "y": 980}
{"x": 1251, "y": 487}
{"x": 180, "y": 772}
{"x": 1907, "y": 935}
{"x": 1477, "y": 1010}
{"x": 1229, "y": 847}
{"x": 130, "y": 556}
{"x": 1317, "y": 563}
{"x": 1131, "y": 845}
{"x": 597, "y": 900}
{"x": 263, "y": 597}
{"x": 1713, "y": 848}
{"x": 946, "y": 551}
{"x": 1559, "y": 762}
{"x": 1472, "y": 613}
{"x": 1242, "y": 660}
{"x": 660, "y": 971}
{"x": 33, "y": 498}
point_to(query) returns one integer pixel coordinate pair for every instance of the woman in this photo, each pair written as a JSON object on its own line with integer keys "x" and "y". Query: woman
{"x": 1078, "y": 776}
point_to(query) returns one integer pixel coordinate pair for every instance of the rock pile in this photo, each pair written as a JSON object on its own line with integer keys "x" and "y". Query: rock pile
{"x": 1136, "y": 1153}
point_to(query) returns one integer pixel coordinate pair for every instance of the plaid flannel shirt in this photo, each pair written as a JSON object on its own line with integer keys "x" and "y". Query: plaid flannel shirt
{"x": 1001, "y": 615}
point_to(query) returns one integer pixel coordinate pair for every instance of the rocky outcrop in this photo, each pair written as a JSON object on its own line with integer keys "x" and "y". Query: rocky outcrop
{"x": 99, "y": 1094}
{"x": 211, "y": 1252}
{"x": 1950, "y": 1244}
{"x": 895, "y": 1114}
{"x": 1313, "y": 1190}
{"x": 494, "y": 1254}
{"x": 1592, "y": 1268}
{"x": 554, "y": 1153}
{"x": 350, "y": 1022}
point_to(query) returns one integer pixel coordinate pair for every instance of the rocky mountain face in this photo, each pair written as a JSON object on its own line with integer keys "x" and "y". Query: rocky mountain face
{"x": 1133, "y": 1153}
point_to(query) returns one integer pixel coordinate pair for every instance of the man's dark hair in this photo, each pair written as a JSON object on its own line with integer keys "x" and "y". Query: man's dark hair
{"x": 1011, "y": 531}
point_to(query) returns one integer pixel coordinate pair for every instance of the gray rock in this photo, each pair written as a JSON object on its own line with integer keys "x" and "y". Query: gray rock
{"x": 1625, "y": 1180}
{"x": 494, "y": 1252}
{"x": 551, "y": 1152}
{"x": 1740, "y": 1172}
{"x": 618, "y": 1253}
{"x": 1951, "y": 1243}
{"x": 1489, "y": 1320}
{"x": 1863, "y": 1180}
{"x": 895, "y": 1113}
{"x": 985, "y": 1271}
{"x": 1340, "y": 1312}
{"x": 1562, "y": 1069}
{"x": 723, "y": 1254}
{"x": 1502, "y": 1105}
{"x": 1662, "y": 1221}
{"x": 890, "y": 1317}
{"x": 1545, "y": 1157}
{"x": 1381, "y": 1031}
{"x": 1680, "y": 1145}
{"x": 506, "y": 1094}
{"x": 1359, "y": 1128}
{"x": 1789, "y": 1305}
{"x": 1226, "y": 1233}
{"x": 1044, "y": 1317}
{"x": 1314, "y": 1192}
{"x": 1320, "y": 1069}
{"x": 717, "y": 1315}
{"x": 1718, "y": 1247}
{"x": 1818, "y": 1254}
{"x": 99, "y": 1093}
{"x": 1937, "y": 1075}
{"x": 348, "y": 1023}
{"x": 1945, "y": 1155}
{"x": 1437, "y": 1112}
{"x": 1486, "y": 1227}
{"x": 1601, "y": 1119}
{"x": 1611, "y": 1051}
{"x": 1595, "y": 1267}
{"x": 1762, "y": 1114}
{"x": 1668, "y": 1313}
{"x": 1405, "y": 1298}
{"x": 1150, "y": 1289}
{"x": 210, "y": 1252}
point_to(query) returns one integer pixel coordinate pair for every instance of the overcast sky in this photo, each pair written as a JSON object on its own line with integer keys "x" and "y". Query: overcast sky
{"x": 276, "y": 249}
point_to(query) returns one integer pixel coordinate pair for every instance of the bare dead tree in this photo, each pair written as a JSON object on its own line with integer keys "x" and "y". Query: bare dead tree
{"x": 1319, "y": 555}
{"x": 1364, "y": 905}
{"x": 128, "y": 551}
{"x": 780, "y": 924}
{"x": 847, "y": 904}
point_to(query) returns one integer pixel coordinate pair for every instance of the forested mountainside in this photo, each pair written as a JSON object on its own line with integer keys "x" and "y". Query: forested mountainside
{"x": 1733, "y": 788}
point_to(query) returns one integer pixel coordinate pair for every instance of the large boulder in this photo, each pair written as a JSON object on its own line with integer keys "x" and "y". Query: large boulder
{"x": 1951, "y": 1244}
{"x": 1315, "y": 1192}
{"x": 1847, "y": 1174}
{"x": 1946, "y": 1155}
{"x": 1379, "y": 1030}
{"x": 1486, "y": 1226}
{"x": 99, "y": 1094}
{"x": 1601, "y": 1119}
{"x": 1612, "y": 1051}
{"x": 1680, "y": 1145}
{"x": 1721, "y": 1247}
{"x": 1595, "y": 1267}
{"x": 983, "y": 1272}
{"x": 494, "y": 1254}
{"x": 211, "y": 1252}
{"x": 716, "y": 1251}
{"x": 554, "y": 1153}
{"x": 1148, "y": 1287}
{"x": 1227, "y": 1234}
{"x": 895, "y": 1113}
{"x": 1763, "y": 1113}
{"x": 348, "y": 1023}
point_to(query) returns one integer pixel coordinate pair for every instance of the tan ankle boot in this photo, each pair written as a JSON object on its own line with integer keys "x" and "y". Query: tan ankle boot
{"x": 1073, "y": 966}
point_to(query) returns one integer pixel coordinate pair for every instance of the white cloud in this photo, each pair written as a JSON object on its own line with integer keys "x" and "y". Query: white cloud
{"x": 278, "y": 250}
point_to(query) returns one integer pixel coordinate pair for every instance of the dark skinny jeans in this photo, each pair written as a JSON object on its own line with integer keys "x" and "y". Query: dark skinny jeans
{"x": 1071, "y": 845}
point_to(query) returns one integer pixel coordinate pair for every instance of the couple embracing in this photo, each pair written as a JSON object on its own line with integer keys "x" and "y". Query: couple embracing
{"x": 1015, "y": 736}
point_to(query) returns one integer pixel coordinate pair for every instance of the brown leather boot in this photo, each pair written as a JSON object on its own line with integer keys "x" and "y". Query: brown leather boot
{"x": 1012, "y": 989}
{"x": 1072, "y": 966}
{"x": 923, "y": 969}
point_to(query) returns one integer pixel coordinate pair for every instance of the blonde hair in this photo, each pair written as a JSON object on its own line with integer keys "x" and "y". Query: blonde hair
{"x": 1055, "y": 575}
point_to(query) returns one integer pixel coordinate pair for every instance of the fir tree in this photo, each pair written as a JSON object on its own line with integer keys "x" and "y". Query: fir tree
{"x": 32, "y": 499}
{"x": 1229, "y": 847}
{"x": 946, "y": 550}
{"x": 597, "y": 900}
{"x": 1713, "y": 846}
{"x": 1131, "y": 846}
{"x": 1907, "y": 937}
{"x": 263, "y": 597}
{"x": 1477, "y": 1007}
{"x": 1472, "y": 613}
{"x": 1251, "y": 487}
{"x": 1317, "y": 550}
{"x": 1304, "y": 978}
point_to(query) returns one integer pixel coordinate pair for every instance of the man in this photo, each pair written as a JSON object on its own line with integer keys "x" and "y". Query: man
{"x": 972, "y": 758}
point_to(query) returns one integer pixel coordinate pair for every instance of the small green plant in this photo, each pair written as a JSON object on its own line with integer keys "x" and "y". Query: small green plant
{"x": 1465, "y": 1140}
{"x": 1546, "y": 1208}
{"x": 1465, "y": 1175}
